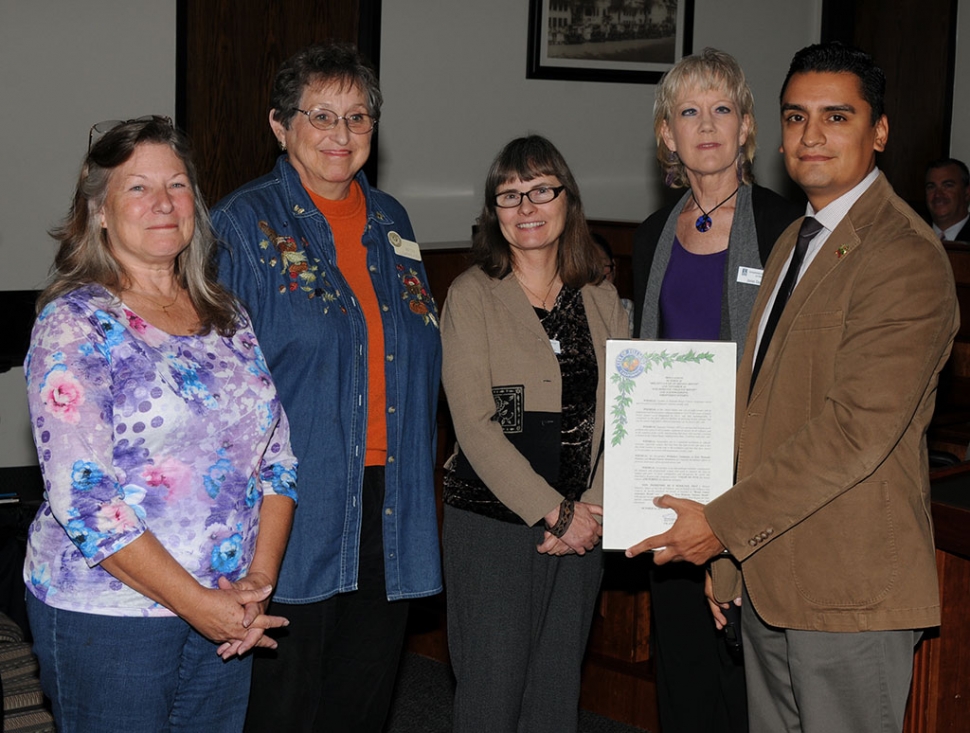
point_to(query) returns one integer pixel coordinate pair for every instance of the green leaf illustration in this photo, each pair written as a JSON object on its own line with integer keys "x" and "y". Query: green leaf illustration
{"x": 625, "y": 385}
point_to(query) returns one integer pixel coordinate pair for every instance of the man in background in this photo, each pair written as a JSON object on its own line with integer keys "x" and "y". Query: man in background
{"x": 948, "y": 198}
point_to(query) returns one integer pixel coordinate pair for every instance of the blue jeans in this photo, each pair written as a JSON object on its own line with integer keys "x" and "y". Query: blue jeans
{"x": 106, "y": 673}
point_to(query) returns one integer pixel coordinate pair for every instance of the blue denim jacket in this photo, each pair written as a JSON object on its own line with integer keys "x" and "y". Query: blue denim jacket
{"x": 279, "y": 258}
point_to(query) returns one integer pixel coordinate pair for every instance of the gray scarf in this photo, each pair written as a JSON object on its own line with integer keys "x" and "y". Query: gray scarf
{"x": 738, "y": 297}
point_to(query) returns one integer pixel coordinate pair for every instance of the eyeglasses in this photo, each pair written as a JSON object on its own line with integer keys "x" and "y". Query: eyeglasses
{"x": 540, "y": 195}
{"x": 325, "y": 119}
{"x": 101, "y": 129}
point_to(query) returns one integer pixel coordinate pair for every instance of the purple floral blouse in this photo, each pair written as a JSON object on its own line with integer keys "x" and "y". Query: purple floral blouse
{"x": 140, "y": 430}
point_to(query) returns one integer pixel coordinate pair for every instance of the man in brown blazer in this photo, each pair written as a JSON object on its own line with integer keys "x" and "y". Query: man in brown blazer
{"x": 829, "y": 519}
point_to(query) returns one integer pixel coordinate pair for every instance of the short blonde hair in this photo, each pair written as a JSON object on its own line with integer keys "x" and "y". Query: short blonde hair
{"x": 710, "y": 69}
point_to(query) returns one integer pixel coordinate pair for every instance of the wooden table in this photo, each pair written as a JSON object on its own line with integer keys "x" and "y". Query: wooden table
{"x": 940, "y": 697}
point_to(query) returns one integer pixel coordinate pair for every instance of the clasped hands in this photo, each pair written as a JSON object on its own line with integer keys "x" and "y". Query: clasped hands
{"x": 234, "y": 614}
{"x": 583, "y": 534}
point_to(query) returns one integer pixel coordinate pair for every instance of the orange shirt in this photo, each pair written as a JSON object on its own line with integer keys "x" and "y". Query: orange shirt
{"x": 347, "y": 219}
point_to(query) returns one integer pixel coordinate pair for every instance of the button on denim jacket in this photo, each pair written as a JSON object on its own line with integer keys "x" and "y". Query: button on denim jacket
{"x": 277, "y": 254}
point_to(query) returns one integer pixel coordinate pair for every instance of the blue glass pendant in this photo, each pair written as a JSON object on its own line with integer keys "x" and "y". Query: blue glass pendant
{"x": 703, "y": 223}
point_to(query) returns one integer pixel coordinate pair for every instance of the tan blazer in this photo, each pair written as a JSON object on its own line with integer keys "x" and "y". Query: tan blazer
{"x": 830, "y": 515}
{"x": 491, "y": 336}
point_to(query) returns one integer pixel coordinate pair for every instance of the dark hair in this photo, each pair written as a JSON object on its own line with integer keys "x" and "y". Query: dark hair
{"x": 85, "y": 255}
{"x": 323, "y": 63}
{"x": 527, "y": 158}
{"x": 710, "y": 69}
{"x": 944, "y": 162}
{"x": 836, "y": 57}
{"x": 600, "y": 241}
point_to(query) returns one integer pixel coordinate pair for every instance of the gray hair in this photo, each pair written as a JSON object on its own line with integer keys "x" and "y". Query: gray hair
{"x": 323, "y": 63}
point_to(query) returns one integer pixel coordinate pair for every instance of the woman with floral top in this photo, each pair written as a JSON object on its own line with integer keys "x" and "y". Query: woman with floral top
{"x": 165, "y": 453}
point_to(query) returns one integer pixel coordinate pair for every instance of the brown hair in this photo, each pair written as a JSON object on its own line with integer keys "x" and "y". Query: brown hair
{"x": 85, "y": 256}
{"x": 527, "y": 158}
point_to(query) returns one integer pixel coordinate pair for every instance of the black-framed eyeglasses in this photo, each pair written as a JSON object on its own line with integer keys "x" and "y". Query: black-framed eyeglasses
{"x": 100, "y": 129}
{"x": 538, "y": 195}
{"x": 327, "y": 119}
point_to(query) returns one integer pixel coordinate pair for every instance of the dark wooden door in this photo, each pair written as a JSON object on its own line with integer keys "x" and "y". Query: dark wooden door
{"x": 228, "y": 53}
{"x": 914, "y": 41}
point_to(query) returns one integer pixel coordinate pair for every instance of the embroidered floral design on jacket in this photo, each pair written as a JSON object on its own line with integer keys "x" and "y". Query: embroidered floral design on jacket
{"x": 420, "y": 300}
{"x": 296, "y": 265}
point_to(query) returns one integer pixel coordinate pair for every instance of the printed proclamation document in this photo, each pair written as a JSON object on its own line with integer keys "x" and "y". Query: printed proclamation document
{"x": 669, "y": 430}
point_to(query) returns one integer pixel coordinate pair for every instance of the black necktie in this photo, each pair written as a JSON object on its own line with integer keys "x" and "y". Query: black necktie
{"x": 810, "y": 227}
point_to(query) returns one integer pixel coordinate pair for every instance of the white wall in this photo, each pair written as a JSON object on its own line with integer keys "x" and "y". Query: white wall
{"x": 64, "y": 65}
{"x": 453, "y": 77}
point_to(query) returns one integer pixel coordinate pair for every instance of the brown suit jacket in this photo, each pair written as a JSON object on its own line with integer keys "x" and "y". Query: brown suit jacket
{"x": 830, "y": 515}
{"x": 491, "y": 336}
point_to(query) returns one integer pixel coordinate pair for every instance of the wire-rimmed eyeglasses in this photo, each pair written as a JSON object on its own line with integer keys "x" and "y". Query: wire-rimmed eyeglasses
{"x": 100, "y": 129}
{"x": 327, "y": 119}
{"x": 538, "y": 195}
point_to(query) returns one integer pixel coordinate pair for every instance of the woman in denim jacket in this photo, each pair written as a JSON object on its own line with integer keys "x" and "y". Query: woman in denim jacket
{"x": 333, "y": 279}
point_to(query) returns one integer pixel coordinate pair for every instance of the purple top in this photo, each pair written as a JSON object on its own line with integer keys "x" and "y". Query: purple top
{"x": 140, "y": 430}
{"x": 691, "y": 294}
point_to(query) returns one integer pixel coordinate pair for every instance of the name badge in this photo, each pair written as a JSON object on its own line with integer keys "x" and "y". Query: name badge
{"x": 749, "y": 275}
{"x": 556, "y": 348}
{"x": 404, "y": 247}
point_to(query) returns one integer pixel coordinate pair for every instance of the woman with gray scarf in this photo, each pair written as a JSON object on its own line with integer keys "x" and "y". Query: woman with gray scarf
{"x": 697, "y": 267}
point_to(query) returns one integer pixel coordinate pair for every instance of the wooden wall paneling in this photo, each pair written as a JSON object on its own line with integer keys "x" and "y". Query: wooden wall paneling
{"x": 950, "y": 429}
{"x": 443, "y": 266}
{"x": 950, "y": 704}
{"x": 940, "y": 694}
{"x": 914, "y": 42}
{"x": 621, "y": 624}
{"x": 620, "y": 236}
{"x": 228, "y": 54}
{"x": 616, "y": 692}
{"x": 369, "y": 31}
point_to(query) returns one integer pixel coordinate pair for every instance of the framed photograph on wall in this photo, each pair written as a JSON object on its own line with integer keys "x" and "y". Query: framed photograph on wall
{"x": 633, "y": 41}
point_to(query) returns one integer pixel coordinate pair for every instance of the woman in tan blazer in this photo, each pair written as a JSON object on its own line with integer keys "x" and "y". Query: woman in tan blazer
{"x": 524, "y": 334}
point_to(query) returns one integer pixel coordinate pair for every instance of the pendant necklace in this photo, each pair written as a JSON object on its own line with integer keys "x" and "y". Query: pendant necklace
{"x": 703, "y": 222}
{"x": 535, "y": 294}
